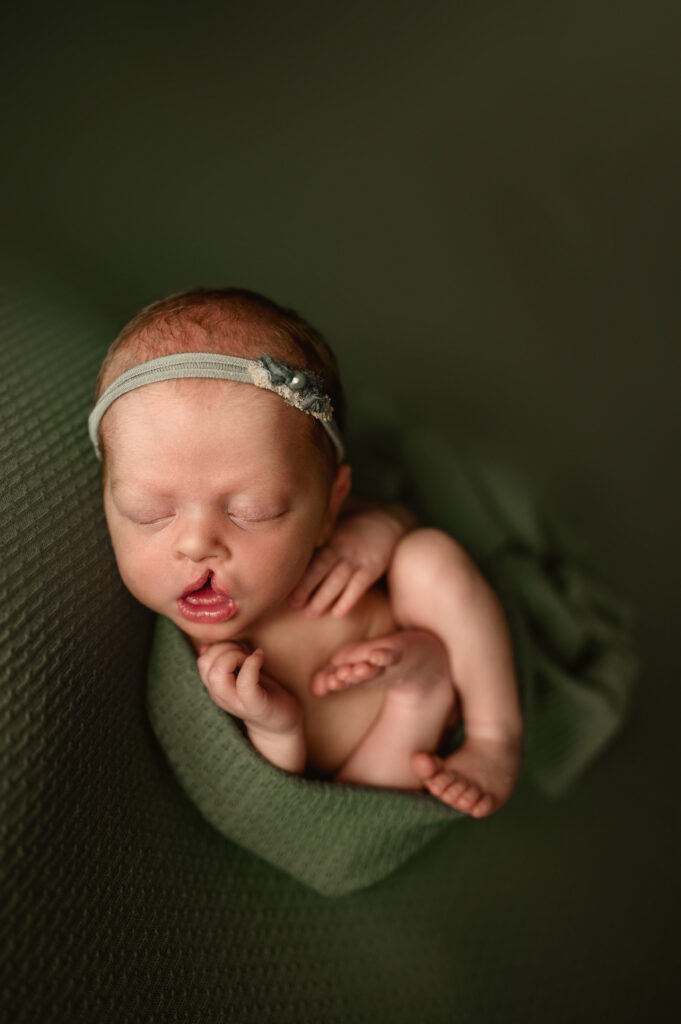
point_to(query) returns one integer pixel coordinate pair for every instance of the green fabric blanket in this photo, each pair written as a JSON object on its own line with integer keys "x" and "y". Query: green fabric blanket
{"x": 574, "y": 660}
{"x": 121, "y": 903}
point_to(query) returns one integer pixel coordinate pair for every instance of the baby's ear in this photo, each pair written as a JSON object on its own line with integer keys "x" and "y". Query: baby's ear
{"x": 340, "y": 488}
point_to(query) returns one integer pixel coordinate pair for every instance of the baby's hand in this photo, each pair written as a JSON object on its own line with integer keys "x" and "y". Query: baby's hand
{"x": 235, "y": 683}
{"x": 357, "y": 555}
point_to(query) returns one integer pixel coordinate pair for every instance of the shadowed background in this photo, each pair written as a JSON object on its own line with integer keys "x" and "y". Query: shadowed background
{"x": 478, "y": 204}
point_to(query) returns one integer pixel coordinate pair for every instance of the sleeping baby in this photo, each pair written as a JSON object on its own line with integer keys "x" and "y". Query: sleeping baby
{"x": 347, "y": 643}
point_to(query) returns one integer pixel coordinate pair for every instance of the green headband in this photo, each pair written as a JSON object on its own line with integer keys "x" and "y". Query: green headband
{"x": 300, "y": 388}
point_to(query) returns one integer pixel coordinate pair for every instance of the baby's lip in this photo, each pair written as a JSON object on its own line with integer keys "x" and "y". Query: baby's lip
{"x": 198, "y": 584}
{"x": 217, "y": 588}
{"x": 216, "y": 591}
{"x": 206, "y": 602}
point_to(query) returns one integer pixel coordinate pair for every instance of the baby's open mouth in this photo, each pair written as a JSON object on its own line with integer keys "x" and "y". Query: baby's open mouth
{"x": 205, "y": 601}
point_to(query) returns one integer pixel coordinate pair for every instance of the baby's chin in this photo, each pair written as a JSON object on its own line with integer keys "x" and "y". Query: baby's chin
{"x": 202, "y": 635}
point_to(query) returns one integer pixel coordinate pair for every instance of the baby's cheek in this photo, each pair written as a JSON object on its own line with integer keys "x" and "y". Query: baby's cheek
{"x": 138, "y": 571}
{"x": 294, "y": 569}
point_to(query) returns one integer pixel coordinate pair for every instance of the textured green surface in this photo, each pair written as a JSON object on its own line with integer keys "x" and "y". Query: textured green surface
{"x": 490, "y": 191}
{"x": 121, "y": 903}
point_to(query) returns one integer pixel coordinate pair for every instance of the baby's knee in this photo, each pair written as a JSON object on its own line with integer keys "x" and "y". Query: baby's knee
{"x": 426, "y": 560}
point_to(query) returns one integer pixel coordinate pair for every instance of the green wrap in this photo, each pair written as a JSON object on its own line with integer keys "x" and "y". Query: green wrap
{"x": 574, "y": 664}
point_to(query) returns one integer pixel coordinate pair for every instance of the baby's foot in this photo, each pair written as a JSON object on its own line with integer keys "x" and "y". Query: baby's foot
{"x": 411, "y": 659}
{"x": 477, "y": 779}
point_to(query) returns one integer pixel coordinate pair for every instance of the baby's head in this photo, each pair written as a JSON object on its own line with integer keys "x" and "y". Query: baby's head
{"x": 217, "y": 491}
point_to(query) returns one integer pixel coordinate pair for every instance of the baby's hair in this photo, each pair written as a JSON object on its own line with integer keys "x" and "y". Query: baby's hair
{"x": 229, "y": 321}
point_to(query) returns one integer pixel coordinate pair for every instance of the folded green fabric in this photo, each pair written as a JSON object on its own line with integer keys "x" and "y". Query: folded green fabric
{"x": 575, "y": 666}
{"x": 575, "y": 656}
{"x": 334, "y": 838}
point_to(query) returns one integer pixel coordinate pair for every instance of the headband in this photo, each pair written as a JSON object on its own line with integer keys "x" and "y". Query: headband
{"x": 300, "y": 388}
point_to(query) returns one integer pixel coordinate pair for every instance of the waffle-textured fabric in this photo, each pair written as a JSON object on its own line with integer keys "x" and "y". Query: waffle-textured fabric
{"x": 119, "y": 901}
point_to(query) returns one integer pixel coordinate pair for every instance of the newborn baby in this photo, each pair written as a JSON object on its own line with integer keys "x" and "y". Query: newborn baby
{"x": 219, "y": 421}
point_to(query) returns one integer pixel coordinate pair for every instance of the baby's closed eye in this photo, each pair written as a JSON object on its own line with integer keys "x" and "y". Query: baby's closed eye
{"x": 254, "y": 517}
{"x": 148, "y": 517}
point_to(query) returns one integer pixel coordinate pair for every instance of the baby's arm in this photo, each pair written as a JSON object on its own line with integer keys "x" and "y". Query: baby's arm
{"x": 356, "y": 556}
{"x": 273, "y": 716}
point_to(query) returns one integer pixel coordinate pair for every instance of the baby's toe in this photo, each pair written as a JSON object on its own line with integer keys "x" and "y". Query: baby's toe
{"x": 467, "y": 799}
{"x": 350, "y": 673}
{"x": 440, "y": 782}
{"x": 322, "y": 682}
{"x": 425, "y": 765}
{"x": 452, "y": 793}
{"x": 369, "y": 670}
{"x": 383, "y": 657}
{"x": 483, "y": 807}
{"x": 361, "y": 672}
{"x": 344, "y": 672}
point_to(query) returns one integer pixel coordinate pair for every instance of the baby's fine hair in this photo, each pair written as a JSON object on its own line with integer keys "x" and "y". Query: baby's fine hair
{"x": 229, "y": 321}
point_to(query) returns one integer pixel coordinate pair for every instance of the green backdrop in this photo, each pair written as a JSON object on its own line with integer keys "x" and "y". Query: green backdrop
{"x": 486, "y": 195}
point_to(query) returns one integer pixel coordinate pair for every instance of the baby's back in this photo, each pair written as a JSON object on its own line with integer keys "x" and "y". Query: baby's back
{"x": 296, "y": 646}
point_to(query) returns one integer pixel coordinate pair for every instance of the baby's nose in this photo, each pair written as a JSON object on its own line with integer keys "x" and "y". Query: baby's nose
{"x": 199, "y": 539}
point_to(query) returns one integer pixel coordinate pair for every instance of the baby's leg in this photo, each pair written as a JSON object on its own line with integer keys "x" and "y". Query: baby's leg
{"x": 434, "y": 585}
{"x": 420, "y": 701}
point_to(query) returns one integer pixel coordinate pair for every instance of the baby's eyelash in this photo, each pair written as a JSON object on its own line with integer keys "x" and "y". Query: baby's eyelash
{"x": 255, "y": 518}
{"x": 150, "y": 522}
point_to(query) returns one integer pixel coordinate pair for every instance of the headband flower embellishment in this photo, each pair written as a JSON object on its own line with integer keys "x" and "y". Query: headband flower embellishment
{"x": 303, "y": 389}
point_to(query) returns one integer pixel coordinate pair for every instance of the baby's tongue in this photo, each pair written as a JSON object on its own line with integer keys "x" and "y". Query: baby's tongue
{"x": 206, "y": 595}
{"x": 206, "y": 590}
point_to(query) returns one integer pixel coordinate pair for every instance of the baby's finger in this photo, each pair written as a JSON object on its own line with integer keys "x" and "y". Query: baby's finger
{"x": 220, "y": 678}
{"x": 329, "y": 590}
{"x": 210, "y": 655}
{"x": 320, "y": 566}
{"x": 356, "y": 587}
{"x": 254, "y": 698}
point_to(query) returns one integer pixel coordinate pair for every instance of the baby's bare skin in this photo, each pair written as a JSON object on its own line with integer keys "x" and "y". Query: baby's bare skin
{"x": 411, "y": 667}
{"x": 476, "y": 779}
{"x": 420, "y": 682}
{"x": 410, "y": 659}
{"x": 204, "y": 484}
{"x": 435, "y": 585}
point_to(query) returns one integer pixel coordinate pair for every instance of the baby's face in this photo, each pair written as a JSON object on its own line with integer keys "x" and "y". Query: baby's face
{"x": 215, "y": 499}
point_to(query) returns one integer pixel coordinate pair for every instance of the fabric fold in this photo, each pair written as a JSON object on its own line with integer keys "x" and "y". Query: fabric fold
{"x": 334, "y": 838}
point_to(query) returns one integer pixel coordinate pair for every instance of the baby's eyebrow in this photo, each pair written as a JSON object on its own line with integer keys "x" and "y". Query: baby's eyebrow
{"x": 137, "y": 486}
